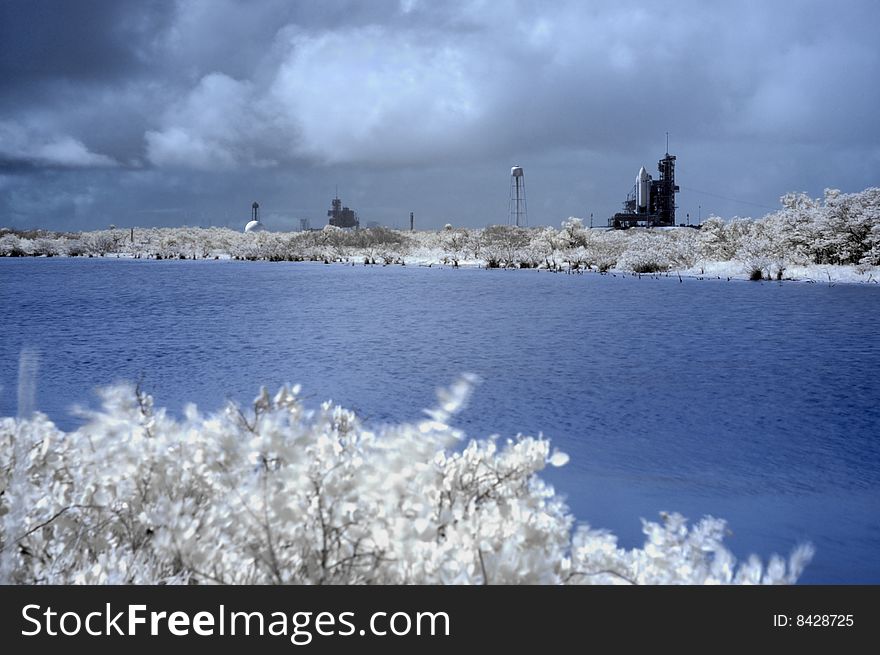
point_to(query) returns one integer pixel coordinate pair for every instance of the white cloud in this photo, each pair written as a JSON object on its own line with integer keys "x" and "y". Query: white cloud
{"x": 348, "y": 96}
{"x": 366, "y": 95}
{"x": 203, "y": 130}
{"x": 480, "y": 80}
{"x": 69, "y": 152}
{"x": 23, "y": 145}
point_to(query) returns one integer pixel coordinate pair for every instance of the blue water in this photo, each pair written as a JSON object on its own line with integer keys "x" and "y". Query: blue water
{"x": 755, "y": 402}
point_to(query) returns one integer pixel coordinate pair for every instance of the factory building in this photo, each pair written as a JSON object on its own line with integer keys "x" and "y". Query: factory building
{"x": 651, "y": 203}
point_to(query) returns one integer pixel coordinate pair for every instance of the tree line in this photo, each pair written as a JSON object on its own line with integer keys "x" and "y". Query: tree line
{"x": 838, "y": 229}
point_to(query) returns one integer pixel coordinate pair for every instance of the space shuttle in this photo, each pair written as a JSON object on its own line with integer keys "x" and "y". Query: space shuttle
{"x": 643, "y": 191}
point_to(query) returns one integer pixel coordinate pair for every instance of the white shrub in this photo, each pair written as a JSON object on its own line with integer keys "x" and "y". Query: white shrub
{"x": 282, "y": 494}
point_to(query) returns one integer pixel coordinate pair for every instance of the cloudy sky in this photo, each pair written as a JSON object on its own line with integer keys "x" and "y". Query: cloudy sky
{"x": 184, "y": 112}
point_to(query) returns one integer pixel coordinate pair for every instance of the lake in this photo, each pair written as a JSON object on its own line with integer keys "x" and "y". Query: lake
{"x": 754, "y": 402}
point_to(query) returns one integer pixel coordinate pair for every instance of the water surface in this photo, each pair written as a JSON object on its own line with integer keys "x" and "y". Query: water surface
{"x": 756, "y": 402}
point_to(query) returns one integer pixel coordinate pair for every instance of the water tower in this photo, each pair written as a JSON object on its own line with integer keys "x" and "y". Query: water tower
{"x": 517, "y": 212}
{"x": 254, "y": 225}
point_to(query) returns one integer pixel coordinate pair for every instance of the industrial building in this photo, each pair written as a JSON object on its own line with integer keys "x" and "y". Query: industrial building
{"x": 342, "y": 216}
{"x": 651, "y": 203}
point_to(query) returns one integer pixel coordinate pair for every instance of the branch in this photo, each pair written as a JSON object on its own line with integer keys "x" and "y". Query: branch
{"x": 602, "y": 572}
{"x": 49, "y": 520}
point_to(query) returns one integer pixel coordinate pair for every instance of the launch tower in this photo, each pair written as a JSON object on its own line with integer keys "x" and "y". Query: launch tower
{"x": 651, "y": 203}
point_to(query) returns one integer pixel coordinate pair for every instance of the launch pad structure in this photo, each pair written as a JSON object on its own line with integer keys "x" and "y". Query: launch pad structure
{"x": 341, "y": 216}
{"x": 651, "y": 203}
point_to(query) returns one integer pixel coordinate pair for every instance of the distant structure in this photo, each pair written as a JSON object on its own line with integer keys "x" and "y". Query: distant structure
{"x": 255, "y": 225}
{"x": 516, "y": 206}
{"x": 304, "y": 225}
{"x": 342, "y": 216}
{"x": 412, "y": 221}
{"x": 651, "y": 203}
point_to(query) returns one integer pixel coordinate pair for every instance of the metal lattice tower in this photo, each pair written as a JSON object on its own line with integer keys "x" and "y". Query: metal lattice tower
{"x": 517, "y": 211}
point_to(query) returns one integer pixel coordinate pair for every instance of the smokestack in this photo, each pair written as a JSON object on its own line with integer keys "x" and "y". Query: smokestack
{"x": 411, "y": 221}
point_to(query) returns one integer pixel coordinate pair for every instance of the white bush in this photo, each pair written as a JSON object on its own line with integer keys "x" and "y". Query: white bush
{"x": 10, "y": 245}
{"x": 839, "y": 229}
{"x": 281, "y": 494}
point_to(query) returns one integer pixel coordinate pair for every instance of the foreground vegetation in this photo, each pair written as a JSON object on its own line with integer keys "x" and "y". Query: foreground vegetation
{"x": 280, "y": 494}
{"x": 837, "y": 230}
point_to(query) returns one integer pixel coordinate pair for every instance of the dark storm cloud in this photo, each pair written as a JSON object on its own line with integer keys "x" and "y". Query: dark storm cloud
{"x": 82, "y": 41}
{"x": 194, "y": 107}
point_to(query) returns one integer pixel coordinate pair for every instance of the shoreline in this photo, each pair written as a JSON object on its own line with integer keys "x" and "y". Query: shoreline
{"x": 824, "y": 274}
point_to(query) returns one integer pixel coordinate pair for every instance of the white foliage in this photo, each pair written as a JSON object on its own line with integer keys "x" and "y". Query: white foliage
{"x": 282, "y": 494}
{"x": 838, "y": 230}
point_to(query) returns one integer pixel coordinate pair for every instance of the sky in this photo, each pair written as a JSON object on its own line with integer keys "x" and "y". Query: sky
{"x": 141, "y": 113}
